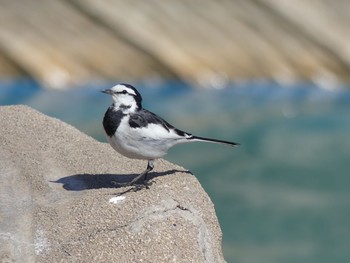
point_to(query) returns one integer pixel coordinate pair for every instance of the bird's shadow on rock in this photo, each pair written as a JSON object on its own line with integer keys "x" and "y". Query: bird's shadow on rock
{"x": 79, "y": 182}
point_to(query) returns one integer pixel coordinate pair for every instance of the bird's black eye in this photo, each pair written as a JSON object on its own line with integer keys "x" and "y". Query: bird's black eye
{"x": 124, "y": 92}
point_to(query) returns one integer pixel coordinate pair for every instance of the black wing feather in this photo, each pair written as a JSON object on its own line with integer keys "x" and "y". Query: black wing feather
{"x": 143, "y": 117}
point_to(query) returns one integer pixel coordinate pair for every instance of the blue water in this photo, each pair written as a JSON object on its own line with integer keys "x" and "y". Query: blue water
{"x": 283, "y": 195}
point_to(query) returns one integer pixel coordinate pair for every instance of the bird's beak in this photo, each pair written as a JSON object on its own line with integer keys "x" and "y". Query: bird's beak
{"x": 107, "y": 91}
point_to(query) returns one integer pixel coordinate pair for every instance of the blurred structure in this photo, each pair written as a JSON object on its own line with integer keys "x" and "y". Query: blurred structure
{"x": 67, "y": 42}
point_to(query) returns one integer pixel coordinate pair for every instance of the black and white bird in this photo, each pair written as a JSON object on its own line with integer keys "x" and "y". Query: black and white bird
{"x": 140, "y": 134}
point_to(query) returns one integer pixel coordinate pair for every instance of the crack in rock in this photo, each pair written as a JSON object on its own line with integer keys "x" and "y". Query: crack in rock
{"x": 169, "y": 207}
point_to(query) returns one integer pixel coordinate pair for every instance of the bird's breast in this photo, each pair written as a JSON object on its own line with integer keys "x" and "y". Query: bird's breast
{"x": 112, "y": 120}
{"x": 149, "y": 142}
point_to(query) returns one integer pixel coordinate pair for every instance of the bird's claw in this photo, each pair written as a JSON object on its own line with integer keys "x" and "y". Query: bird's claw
{"x": 145, "y": 184}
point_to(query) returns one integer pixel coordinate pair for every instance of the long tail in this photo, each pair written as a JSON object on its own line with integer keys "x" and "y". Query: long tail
{"x": 202, "y": 139}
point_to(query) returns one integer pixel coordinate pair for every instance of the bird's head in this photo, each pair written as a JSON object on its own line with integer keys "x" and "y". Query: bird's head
{"x": 125, "y": 97}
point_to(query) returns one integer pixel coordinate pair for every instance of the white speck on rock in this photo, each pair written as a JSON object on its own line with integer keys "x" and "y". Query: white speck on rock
{"x": 41, "y": 243}
{"x": 117, "y": 199}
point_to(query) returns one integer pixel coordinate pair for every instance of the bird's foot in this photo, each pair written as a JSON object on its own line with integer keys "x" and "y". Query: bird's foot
{"x": 144, "y": 185}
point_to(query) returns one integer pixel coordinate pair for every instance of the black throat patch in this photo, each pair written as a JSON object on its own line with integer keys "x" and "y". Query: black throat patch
{"x": 111, "y": 120}
{"x": 124, "y": 107}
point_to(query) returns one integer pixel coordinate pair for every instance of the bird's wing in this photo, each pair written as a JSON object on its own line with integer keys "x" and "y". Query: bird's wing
{"x": 162, "y": 129}
{"x": 143, "y": 118}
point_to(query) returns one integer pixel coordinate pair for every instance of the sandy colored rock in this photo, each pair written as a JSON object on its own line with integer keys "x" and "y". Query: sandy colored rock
{"x": 59, "y": 202}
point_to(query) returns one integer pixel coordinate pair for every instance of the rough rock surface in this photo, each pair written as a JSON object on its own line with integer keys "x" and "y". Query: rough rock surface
{"x": 59, "y": 202}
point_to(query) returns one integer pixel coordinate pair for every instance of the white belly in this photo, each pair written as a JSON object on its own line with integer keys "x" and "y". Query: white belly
{"x": 143, "y": 143}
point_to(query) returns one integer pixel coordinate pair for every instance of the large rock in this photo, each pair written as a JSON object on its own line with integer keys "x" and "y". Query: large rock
{"x": 59, "y": 202}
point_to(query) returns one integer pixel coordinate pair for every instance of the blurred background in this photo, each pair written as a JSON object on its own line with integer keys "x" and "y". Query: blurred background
{"x": 272, "y": 75}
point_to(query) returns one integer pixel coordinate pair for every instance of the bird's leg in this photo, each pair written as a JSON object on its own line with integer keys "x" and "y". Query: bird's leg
{"x": 143, "y": 175}
{"x": 150, "y": 166}
{"x": 144, "y": 183}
